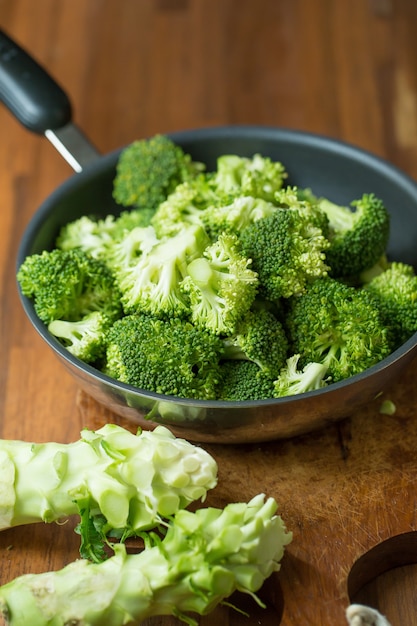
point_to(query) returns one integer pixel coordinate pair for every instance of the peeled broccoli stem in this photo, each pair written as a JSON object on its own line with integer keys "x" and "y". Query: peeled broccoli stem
{"x": 204, "y": 557}
{"x": 131, "y": 481}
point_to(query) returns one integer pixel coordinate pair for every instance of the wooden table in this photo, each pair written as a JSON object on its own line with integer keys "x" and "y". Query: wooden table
{"x": 347, "y": 69}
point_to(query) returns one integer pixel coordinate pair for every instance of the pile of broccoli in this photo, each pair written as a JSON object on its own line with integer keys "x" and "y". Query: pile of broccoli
{"x": 223, "y": 285}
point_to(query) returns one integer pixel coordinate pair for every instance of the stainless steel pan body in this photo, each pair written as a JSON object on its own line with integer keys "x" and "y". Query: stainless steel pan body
{"x": 331, "y": 168}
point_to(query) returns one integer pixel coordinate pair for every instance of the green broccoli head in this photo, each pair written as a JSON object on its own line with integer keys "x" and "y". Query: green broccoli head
{"x": 148, "y": 170}
{"x": 184, "y": 206}
{"x": 86, "y": 338}
{"x": 257, "y": 176}
{"x": 288, "y": 250}
{"x": 220, "y": 285}
{"x": 358, "y": 235}
{"x": 125, "y": 253}
{"x": 244, "y": 380}
{"x": 292, "y": 380}
{"x": 170, "y": 357}
{"x": 396, "y": 291}
{"x": 130, "y": 219}
{"x": 97, "y": 237}
{"x": 294, "y": 198}
{"x": 68, "y": 284}
{"x": 151, "y": 283}
{"x": 233, "y": 217}
{"x": 337, "y": 325}
{"x": 91, "y": 235}
{"x": 260, "y": 337}
{"x": 193, "y": 564}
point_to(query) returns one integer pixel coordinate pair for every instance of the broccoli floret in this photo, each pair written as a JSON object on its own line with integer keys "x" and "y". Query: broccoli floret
{"x": 152, "y": 284}
{"x": 306, "y": 194}
{"x": 244, "y": 380}
{"x": 292, "y": 380}
{"x": 127, "y": 220}
{"x": 170, "y": 357}
{"x": 220, "y": 285}
{"x": 91, "y": 235}
{"x": 260, "y": 337}
{"x": 97, "y": 237}
{"x": 234, "y": 217}
{"x": 69, "y": 284}
{"x": 358, "y": 235}
{"x": 86, "y": 338}
{"x": 148, "y": 170}
{"x": 396, "y": 291}
{"x": 184, "y": 206}
{"x": 287, "y": 249}
{"x": 126, "y": 252}
{"x": 257, "y": 176}
{"x": 291, "y": 198}
{"x": 338, "y": 325}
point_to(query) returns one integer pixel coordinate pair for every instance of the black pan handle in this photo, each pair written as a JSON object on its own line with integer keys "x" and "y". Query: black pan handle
{"x": 39, "y": 103}
{"x": 29, "y": 92}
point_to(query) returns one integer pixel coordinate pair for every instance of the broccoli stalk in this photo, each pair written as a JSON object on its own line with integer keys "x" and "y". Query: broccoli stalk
{"x": 118, "y": 482}
{"x": 204, "y": 557}
{"x": 292, "y": 380}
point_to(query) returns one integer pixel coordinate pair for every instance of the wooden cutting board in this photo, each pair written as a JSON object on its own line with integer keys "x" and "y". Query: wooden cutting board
{"x": 348, "y": 493}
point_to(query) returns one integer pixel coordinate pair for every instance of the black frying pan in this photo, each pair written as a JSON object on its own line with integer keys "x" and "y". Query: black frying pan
{"x": 331, "y": 168}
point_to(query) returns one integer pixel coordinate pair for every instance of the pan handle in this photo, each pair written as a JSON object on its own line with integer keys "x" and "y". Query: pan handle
{"x": 40, "y": 104}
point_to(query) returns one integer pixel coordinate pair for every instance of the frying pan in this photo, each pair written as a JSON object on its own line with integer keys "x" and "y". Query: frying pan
{"x": 335, "y": 169}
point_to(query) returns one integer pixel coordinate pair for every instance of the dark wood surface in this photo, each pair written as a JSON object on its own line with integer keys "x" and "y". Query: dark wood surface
{"x": 347, "y": 69}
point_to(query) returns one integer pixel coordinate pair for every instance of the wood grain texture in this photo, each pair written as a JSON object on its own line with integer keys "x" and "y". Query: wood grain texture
{"x": 132, "y": 68}
{"x": 345, "y": 492}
